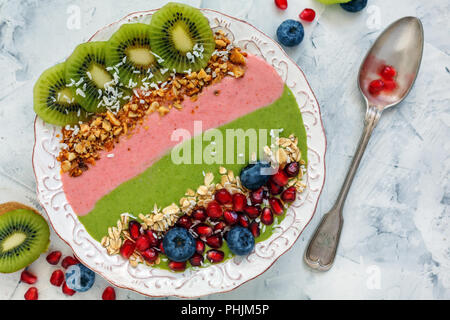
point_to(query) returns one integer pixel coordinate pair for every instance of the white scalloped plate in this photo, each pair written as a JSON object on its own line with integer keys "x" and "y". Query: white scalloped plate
{"x": 216, "y": 278}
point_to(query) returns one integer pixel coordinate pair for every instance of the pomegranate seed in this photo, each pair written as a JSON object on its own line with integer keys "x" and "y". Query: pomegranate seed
{"x": 184, "y": 222}
{"x": 177, "y": 266}
{"x": 267, "y": 216}
{"x": 280, "y": 178}
{"x": 28, "y": 277}
{"x": 281, "y": 4}
{"x": 239, "y": 202}
{"x": 203, "y": 230}
{"x": 154, "y": 241}
{"x": 109, "y": 294}
{"x": 308, "y": 15}
{"x": 31, "y": 294}
{"x": 292, "y": 169}
{"x": 196, "y": 260}
{"x": 66, "y": 290}
{"x": 215, "y": 256}
{"x": 252, "y": 211}
{"x": 69, "y": 261}
{"x": 223, "y": 196}
{"x": 199, "y": 214}
{"x": 134, "y": 228}
{"x": 243, "y": 220}
{"x": 57, "y": 278}
{"x": 214, "y": 241}
{"x": 127, "y": 249}
{"x": 220, "y": 227}
{"x": 254, "y": 229}
{"x": 390, "y": 85}
{"x": 274, "y": 189}
{"x": 376, "y": 86}
{"x": 257, "y": 196}
{"x": 214, "y": 210}
{"x": 388, "y": 72}
{"x": 150, "y": 255}
{"x": 230, "y": 217}
{"x": 53, "y": 257}
{"x": 142, "y": 243}
{"x": 161, "y": 247}
{"x": 199, "y": 246}
{"x": 276, "y": 206}
{"x": 289, "y": 194}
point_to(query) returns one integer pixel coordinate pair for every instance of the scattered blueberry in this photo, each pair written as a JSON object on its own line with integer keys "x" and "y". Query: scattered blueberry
{"x": 354, "y": 5}
{"x": 79, "y": 278}
{"x": 179, "y": 244}
{"x": 253, "y": 176}
{"x": 290, "y": 33}
{"x": 240, "y": 240}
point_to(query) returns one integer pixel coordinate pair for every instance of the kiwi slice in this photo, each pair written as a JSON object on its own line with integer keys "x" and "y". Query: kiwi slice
{"x": 129, "y": 50}
{"x": 54, "y": 101}
{"x": 96, "y": 86}
{"x": 181, "y": 36}
{"x": 24, "y": 235}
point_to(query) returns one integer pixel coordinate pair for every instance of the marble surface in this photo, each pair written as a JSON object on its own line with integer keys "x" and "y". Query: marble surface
{"x": 396, "y": 238}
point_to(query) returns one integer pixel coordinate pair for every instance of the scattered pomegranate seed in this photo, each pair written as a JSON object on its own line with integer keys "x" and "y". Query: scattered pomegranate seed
{"x": 69, "y": 261}
{"x": 203, "y": 230}
{"x": 154, "y": 241}
{"x": 161, "y": 247}
{"x": 257, "y": 196}
{"x": 376, "y": 86}
{"x": 134, "y": 228}
{"x": 230, "y": 217}
{"x": 280, "y": 178}
{"x": 57, "y": 278}
{"x": 27, "y": 277}
{"x": 199, "y": 246}
{"x": 243, "y": 220}
{"x": 389, "y": 85}
{"x": 289, "y": 194}
{"x": 252, "y": 211}
{"x": 292, "y": 169}
{"x": 276, "y": 206}
{"x": 177, "y": 266}
{"x": 274, "y": 189}
{"x": 388, "y": 72}
{"x": 223, "y": 196}
{"x": 31, "y": 294}
{"x": 53, "y": 257}
{"x": 254, "y": 229}
{"x": 267, "y": 216}
{"x": 199, "y": 214}
{"x": 66, "y": 290}
{"x": 215, "y": 256}
{"x": 109, "y": 294}
{"x": 220, "y": 227}
{"x": 142, "y": 243}
{"x": 239, "y": 202}
{"x": 150, "y": 255}
{"x": 214, "y": 241}
{"x": 184, "y": 222}
{"x": 308, "y": 15}
{"x": 214, "y": 210}
{"x": 196, "y": 260}
{"x": 281, "y": 4}
{"x": 127, "y": 249}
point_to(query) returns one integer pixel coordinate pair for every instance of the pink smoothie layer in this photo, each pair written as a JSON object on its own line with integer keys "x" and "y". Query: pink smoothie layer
{"x": 260, "y": 86}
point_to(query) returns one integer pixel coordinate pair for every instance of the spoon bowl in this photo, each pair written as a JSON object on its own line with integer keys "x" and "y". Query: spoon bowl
{"x": 401, "y": 46}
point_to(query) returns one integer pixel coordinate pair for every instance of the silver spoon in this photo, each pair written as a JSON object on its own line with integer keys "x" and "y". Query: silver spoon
{"x": 401, "y": 46}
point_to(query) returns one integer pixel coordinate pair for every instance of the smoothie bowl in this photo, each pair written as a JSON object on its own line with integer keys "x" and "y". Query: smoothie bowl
{"x": 178, "y": 167}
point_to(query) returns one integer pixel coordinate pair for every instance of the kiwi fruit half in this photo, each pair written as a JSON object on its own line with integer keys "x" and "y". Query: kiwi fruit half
{"x": 53, "y": 101}
{"x": 129, "y": 50}
{"x": 95, "y": 86}
{"x": 24, "y": 235}
{"x": 181, "y": 36}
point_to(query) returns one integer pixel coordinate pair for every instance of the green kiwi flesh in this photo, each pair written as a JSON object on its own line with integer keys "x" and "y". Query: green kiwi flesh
{"x": 24, "y": 235}
{"x": 129, "y": 50}
{"x": 53, "y": 101}
{"x": 181, "y": 36}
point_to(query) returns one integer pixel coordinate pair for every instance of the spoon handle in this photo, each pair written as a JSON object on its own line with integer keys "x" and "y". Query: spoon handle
{"x": 322, "y": 248}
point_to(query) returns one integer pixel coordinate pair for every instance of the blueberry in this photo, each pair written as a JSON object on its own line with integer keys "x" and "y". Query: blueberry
{"x": 179, "y": 244}
{"x": 290, "y": 33}
{"x": 240, "y": 240}
{"x": 253, "y": 176}
{"x": 79, "y": 278}
{"x": 354, "y": 5}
